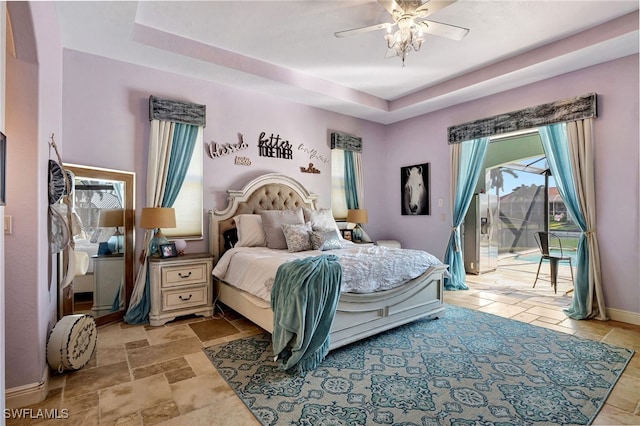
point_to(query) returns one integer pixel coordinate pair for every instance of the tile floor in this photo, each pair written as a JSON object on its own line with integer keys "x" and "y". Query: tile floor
{"x": 142, "y": 375}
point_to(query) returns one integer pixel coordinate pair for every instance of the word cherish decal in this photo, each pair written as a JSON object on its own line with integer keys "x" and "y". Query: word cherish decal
{"x": 274, "y": 147}
{"x": 216, "y": 150}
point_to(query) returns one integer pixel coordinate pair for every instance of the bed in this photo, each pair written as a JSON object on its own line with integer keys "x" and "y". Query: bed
{"x": 358, "y": 315}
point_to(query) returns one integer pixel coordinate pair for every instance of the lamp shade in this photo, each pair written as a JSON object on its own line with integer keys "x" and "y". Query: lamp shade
{"x": 158, "y": 217}
{"x": 111, "y": 218}
{"x": 357, "y": 216}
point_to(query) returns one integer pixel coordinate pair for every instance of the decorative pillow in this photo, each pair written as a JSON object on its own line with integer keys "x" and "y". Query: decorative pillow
{"x": 250, "y": 231}
{"x": 325, "y": 239}
{"x": 230, "y": 238}
{"x": 272, "y": 221}
{"x": 297, "y": 236}
{"x": 322, "y": 218}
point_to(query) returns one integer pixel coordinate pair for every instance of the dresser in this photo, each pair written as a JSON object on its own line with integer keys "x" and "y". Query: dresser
{"x": 180, "y": 286}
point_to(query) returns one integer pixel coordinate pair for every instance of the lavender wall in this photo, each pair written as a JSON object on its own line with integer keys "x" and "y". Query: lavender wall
{"x": 33, "y": 93}
{"x": 424, "y": 139}
{"x": 106, "y": 124}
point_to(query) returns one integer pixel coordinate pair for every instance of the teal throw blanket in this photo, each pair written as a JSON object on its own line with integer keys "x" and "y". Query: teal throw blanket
{"x": 304, "y": 299}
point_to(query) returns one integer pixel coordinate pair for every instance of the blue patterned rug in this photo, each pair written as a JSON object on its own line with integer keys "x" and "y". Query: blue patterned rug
{"x": 466, "y": 368}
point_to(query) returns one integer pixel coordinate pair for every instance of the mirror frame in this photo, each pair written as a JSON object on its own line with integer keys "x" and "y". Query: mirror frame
{"x": 129, "y": 179}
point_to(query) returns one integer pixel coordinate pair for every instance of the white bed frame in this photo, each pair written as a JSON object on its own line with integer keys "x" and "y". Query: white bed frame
{"x": 358, "y": 315}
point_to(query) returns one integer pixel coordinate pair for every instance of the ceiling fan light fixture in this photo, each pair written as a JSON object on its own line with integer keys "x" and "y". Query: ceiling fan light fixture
{"x": 407, "y": 38}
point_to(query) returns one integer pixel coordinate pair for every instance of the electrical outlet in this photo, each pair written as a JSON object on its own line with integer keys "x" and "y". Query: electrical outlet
{"x": 7, "y": 225}
{"x": 440, "y": 202}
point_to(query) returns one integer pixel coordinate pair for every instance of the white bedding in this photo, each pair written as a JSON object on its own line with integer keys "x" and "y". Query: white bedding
{"x": 365, "y": 269}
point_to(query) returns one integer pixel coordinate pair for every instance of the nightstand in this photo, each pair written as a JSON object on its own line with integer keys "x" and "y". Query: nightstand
{"x": 180, "y": 286}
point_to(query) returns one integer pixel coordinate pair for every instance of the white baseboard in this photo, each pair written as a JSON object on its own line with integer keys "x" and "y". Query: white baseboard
{"x": 23, "y": 396}
{"x": 624, "y": 316}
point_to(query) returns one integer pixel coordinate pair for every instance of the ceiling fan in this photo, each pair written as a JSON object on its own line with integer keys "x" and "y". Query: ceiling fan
{"x": 409, "y": 16}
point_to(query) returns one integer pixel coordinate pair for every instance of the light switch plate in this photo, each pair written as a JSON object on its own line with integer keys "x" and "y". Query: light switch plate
{"x": 7, "y": 225}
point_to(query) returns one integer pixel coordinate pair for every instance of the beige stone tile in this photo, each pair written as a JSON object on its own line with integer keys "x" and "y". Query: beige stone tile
{"x": 163, "y": 352}
{"x": 525, "y": 317}
{"x": 625, "y": 338}
{"x": 554, "y": 313}
{"x": 587, "y": 335}
{"x": 80, "y": 418}
{"x": 200, "y": 391}
{"x": 81, "y": 403}
{"x": 130, "y": 419}
{"x": 57, "y": 381}
{"x": 176, "y": 376}
{"x": 200, "y": 363}
{"x": 92, "y": 379}
{"x": 136, "y": 344}
{"x": 214, "y": 328}
{"x": 502, "y": 309}
{"x": 159, "y": 413}
{"x": 106, "y": 356}
{"x": 116, "y": 336}
{"x": 610, "y": 415}
{"x": 228, "y": 412}
{"x": 159, "y": 368}
{"x": 553, "y": 327}
{"x": 128, "y": 398}
{"x": 626, "y": 394}
{"x": 159, "y": 335}
{"x": 499, "y": 298}
{"x": 243, "y": 324}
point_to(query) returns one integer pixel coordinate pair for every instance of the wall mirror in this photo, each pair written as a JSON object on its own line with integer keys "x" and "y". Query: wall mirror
{"x": 104, "y": 243}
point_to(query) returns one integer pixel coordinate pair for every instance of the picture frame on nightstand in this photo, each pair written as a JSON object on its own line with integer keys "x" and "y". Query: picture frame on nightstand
{"x": 347, "y": 234}
{"x": 168, "y": 250}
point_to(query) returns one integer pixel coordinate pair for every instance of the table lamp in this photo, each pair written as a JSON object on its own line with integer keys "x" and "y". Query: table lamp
{"x": 357, "y": 216}
{"x": 157, "y": 218}
{"x": 112, "y": 218}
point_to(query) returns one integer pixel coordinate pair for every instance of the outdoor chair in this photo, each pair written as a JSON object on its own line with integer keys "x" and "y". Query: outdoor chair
{"x": 548, "y": 242}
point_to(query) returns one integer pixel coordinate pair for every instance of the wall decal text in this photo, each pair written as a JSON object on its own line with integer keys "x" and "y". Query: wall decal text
{"x": 216, "y": 150}
{"x": 313, "y": 153}
{"x": 274, "y": 147}
{"x": 310, "y": 169}
{"x": 242, "y": 161}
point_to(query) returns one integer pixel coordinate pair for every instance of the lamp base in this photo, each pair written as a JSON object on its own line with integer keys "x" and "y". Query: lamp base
{"x": 357, "y": 233}
{"x": 156, "y": 241}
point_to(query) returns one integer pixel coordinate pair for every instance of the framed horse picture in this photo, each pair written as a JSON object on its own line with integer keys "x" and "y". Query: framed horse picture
{"x": 415, "y": 190}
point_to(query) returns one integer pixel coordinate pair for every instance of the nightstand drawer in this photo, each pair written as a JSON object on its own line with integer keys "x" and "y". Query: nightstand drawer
{"x": 184, "y": 298}
{"x": 183, "y": 275}
{"x": 180, "y": 286}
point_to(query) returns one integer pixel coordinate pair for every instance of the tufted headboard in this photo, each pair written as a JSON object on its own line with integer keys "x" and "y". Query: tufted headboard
{"x": 272, "y": 191}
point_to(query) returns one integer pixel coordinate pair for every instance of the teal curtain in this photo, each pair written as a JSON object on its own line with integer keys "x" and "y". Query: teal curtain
{"x": 350, "y": 183}
{"x": 472, "y": 155}
{"x": 184, "y": 141}
{"x": 556, "y": 147}
{"x": 182, "y": 145}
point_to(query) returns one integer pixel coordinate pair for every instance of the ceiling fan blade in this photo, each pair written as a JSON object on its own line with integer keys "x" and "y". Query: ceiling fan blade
{"x": 355, "y": 31}
{"x": 391, "y": 6}
{"x": 443, "y": 30}
{"x": 431, "y": 7}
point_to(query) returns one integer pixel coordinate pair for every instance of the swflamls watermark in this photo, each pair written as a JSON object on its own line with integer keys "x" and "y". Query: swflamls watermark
{"x": 39, "y": 413}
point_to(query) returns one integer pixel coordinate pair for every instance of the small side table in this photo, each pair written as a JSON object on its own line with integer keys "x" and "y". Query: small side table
{"x": 180, "y": 286}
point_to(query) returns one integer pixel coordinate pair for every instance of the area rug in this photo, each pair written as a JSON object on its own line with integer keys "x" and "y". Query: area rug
{"x": 466, "y": 368}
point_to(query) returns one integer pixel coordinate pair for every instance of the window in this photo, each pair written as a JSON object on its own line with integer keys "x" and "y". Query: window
{"x": 189, "y": 204}
{"x": 338, "y": 193}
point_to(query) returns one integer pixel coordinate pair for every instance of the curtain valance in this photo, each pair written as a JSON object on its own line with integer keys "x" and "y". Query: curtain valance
{"x": 176, "y": 111}
{"x": 346, "y": 142}
{"x": 572, "y": 109}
